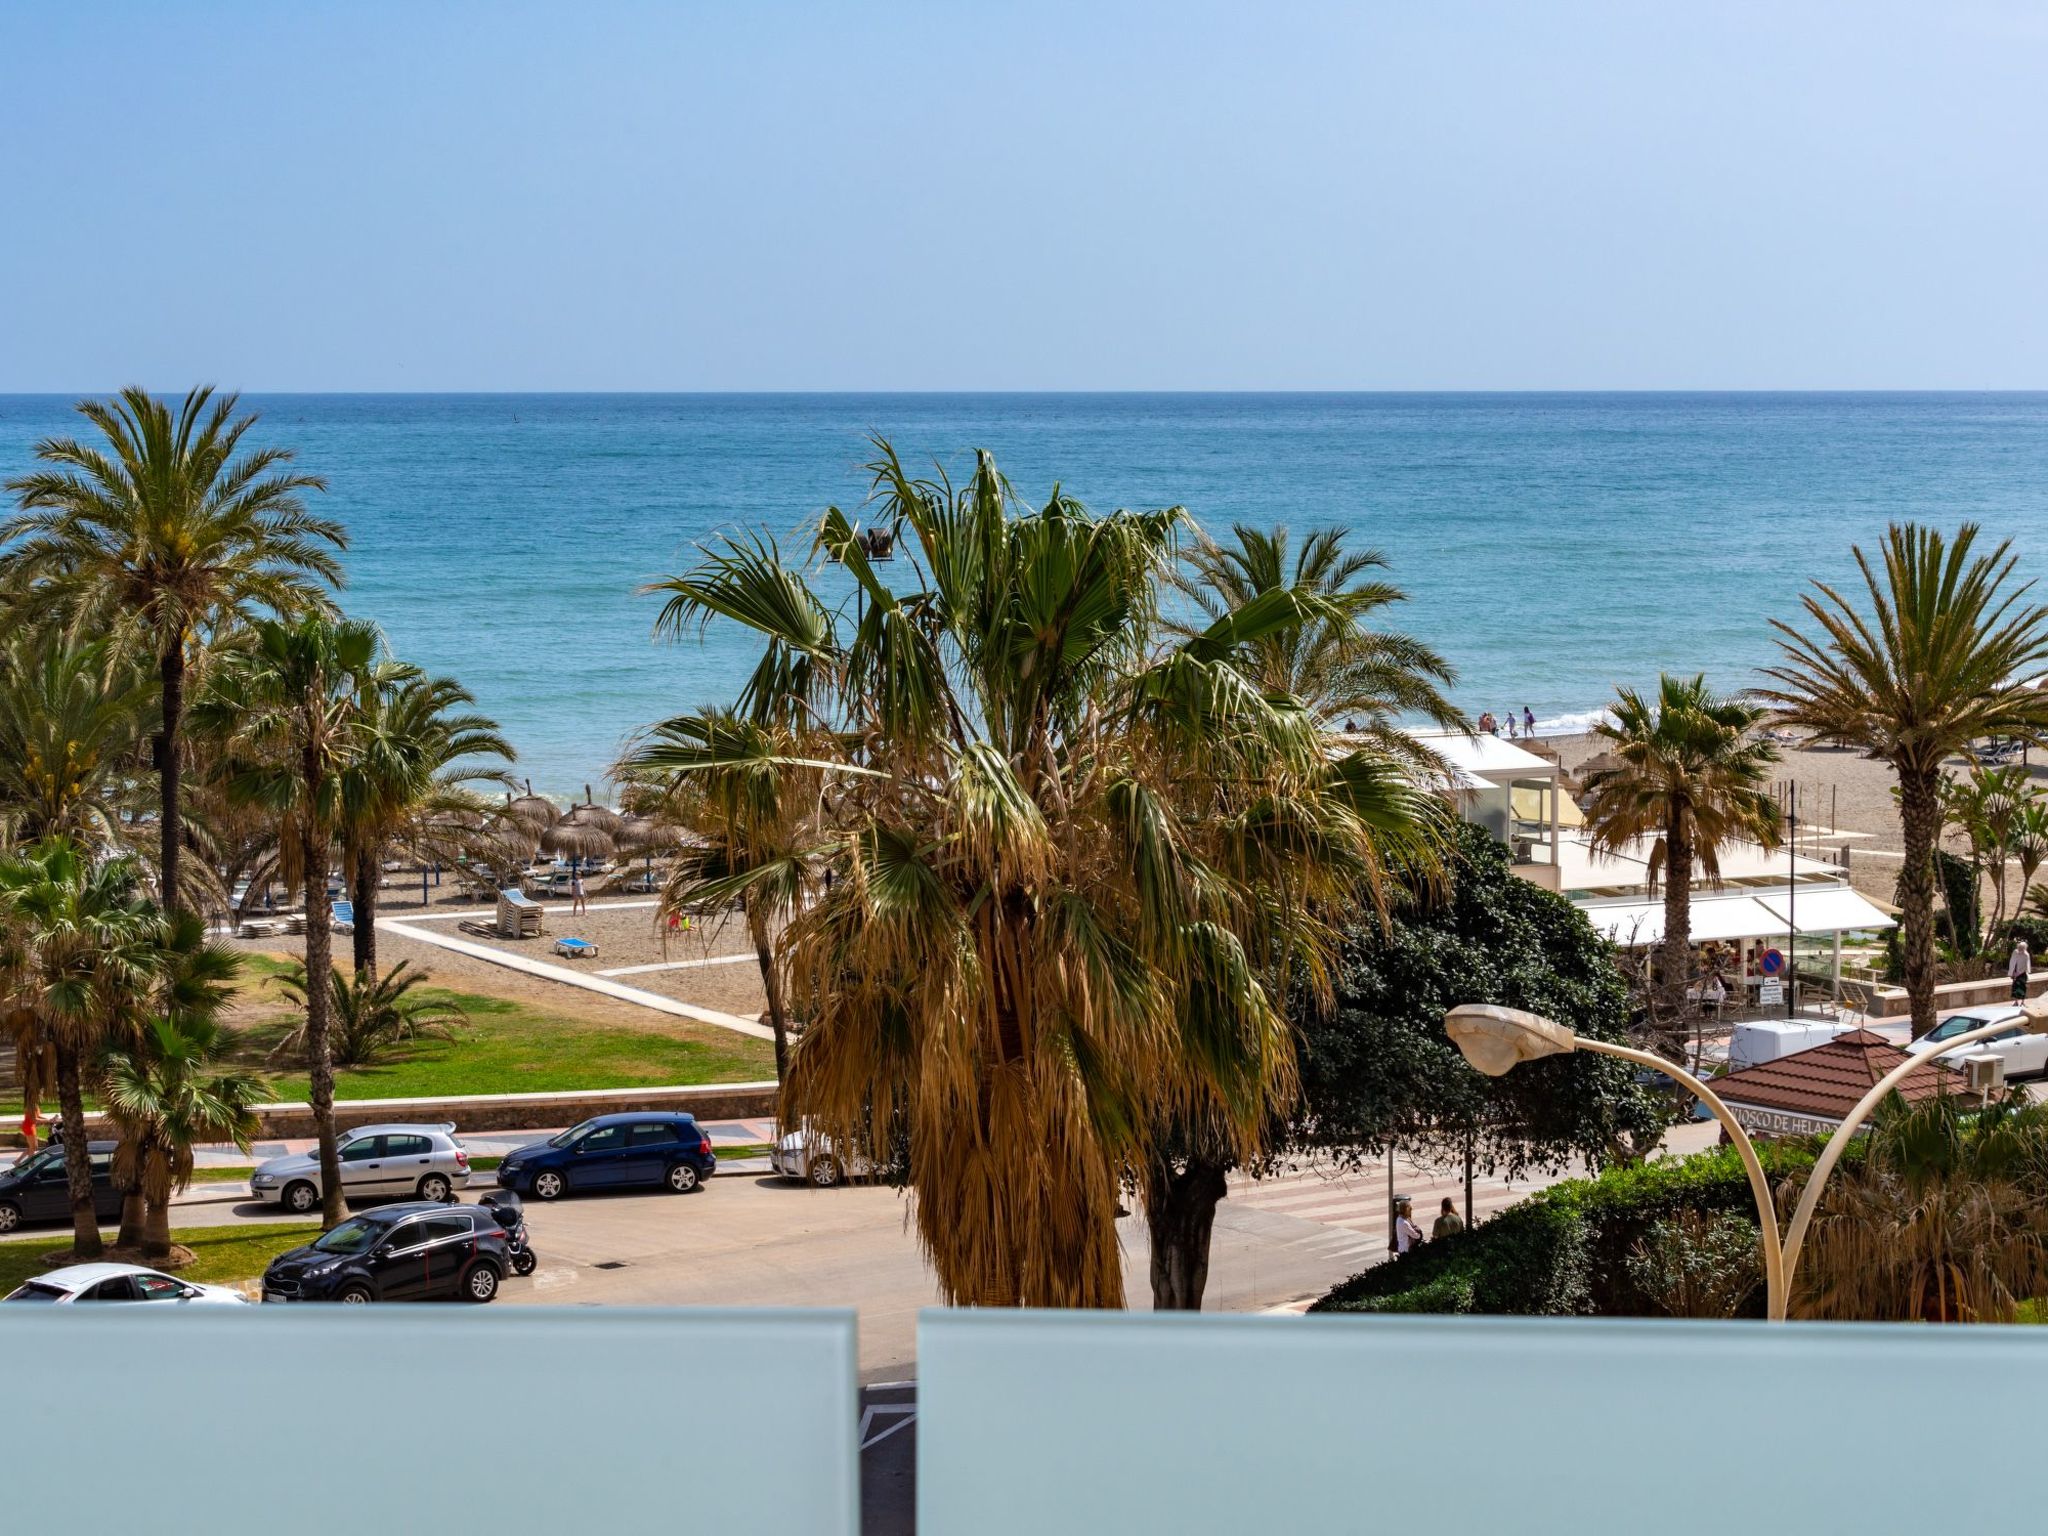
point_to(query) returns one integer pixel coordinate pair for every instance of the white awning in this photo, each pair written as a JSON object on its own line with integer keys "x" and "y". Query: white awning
{"x": 1830, "y": 909}
{"x": 1634, "y": 923}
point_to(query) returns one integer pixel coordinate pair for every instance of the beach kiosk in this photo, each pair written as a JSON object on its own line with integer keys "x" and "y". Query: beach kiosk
{"x": 1809, "y": 1093}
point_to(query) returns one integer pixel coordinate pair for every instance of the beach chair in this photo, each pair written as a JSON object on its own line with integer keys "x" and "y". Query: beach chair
{"x": 342, "y": 917}
{"x": 519, "y": 917}
{"x": 576, "y": 949}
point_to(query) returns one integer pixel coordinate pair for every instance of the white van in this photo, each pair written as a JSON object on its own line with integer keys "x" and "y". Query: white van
{"x": 1754, "y": 1044}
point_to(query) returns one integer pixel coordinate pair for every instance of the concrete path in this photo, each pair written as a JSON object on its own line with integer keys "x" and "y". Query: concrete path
{"x": 411, "y": 928}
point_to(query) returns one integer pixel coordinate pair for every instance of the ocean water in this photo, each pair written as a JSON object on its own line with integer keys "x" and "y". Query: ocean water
{"x": 1553, "y": 546}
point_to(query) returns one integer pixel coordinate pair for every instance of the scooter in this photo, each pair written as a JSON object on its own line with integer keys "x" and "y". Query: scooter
{"x": 510, "y": 1214}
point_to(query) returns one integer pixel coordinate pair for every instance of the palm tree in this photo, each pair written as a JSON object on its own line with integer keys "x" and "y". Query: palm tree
{"x": 284, "y": 707}
{"x": 1032, "y": 947}
{"x": 371, "y": 1016}
{"x": 750, "y": 796}
{"x": 1944, "y": 1220}
{"x": 1339, "y": 665}
{"x": 2030, "y": 841}
{"x": 1943, "y": 658}
{"x": 168, "y": 1089}
{"x": 77, "y": 951}
{"x": 409, "y": 773}
{"x": 1692, "y": 777}
{"x": 73, "y": 716}
{"x": 164, "y": 529}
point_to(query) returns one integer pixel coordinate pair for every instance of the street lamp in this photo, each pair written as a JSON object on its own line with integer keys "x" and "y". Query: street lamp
{"x": 1495, "y": 1040}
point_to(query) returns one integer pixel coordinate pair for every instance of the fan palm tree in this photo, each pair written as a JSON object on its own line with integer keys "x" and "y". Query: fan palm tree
{"x": 372, "y": 1015}
{"x": 749, "y": 793}
{"x": 1942, "y": 658}
{"x": 168, "y": 1089}
{"x": 1691, "y": 776}
{"x": 284, "y": 707}
{"x": 1944, "y": 1220}
{"x": 169, "y": 528}
{"x": 77, "y": 957}
{"x": 73, "y": 717}
{"x": 2030, "y": 842}
{"x": 1033, "y": 945}
{"x": 1340, "y": 665}
{"x": 408, "y": 775}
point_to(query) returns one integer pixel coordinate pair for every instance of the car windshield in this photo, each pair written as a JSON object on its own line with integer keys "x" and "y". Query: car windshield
{"x": 1961, "y": 1024}
{"x": 574, "y": 1134}
{"x": 40, "y": 1160}
{"x": 35, "y": 1291}
{"x": 356, "y": 1235}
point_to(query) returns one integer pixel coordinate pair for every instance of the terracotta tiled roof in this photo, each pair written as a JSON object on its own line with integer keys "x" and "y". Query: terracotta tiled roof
{"x": 1829, "y": 1080}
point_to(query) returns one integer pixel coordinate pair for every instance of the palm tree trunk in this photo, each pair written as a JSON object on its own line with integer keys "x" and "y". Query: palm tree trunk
{"x": 1920, "y": 826}
{"x": 1674, "y": 955}
{"x": 133, "y": 1215}
{"x": 1180, "y": 1216}
{"x": 85, "y": 1222}
{"x": 156, "y": 1233}
{"x": 363, "y": 870}
{"x": 171, "y": 828}
{"x": 771, "y": 982}
{"x": 319, "y": 1004}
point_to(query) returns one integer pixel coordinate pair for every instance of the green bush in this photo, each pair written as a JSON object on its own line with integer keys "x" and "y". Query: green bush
{"x": 1565, "y": 1250}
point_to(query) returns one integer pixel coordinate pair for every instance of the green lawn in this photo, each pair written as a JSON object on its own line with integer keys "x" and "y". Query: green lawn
{"x": 750, "y": 1149}
{"x": 224, "y": 1254}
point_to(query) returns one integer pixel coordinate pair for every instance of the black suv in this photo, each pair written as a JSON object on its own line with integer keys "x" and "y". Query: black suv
{"x": 419, "y": 1251}
{"x": 34, "y": 1188}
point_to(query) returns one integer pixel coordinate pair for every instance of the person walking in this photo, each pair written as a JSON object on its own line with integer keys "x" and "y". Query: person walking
{"x": 578, "y": 907}
{"x": 2020, "y": 967}
{"x": 1448, "y": 1222}
{"x": 1406, "y": 1234}
{"x": 1528, "y": 723}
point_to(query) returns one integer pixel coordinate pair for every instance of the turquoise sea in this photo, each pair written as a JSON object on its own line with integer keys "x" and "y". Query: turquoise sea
{"x": 1553, "y": 545}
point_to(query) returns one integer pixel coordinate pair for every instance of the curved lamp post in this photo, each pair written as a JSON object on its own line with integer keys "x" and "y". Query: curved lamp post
{"x": 1495, "y": 1040}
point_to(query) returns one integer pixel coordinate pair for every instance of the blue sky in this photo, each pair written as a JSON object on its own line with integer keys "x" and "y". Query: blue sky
{"x": 1380, "y": 194}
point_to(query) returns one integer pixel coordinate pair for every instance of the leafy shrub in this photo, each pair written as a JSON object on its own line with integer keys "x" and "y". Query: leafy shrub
{"x": 371, "y": 1020}
{"x": 1695, "y": 1265}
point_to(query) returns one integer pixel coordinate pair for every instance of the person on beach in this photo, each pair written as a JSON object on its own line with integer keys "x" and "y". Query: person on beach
{"x": 1528, "y": 723}
{"x": 2019, "y": 968}
{"x": 1406, "y": 1234}
{"x": 578, "y": 907}
{"x": 1488, "y": 724}
{"x": 1448, "y": 1222}
{"x": 1511, "y": 725}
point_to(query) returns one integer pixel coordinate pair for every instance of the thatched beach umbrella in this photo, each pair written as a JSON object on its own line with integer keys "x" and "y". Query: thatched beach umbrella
{"x": 535, "y": 811}
{"x": 644, "y": 835}
{"x": 591, "y": 814}
{"x": 580, "y": 842}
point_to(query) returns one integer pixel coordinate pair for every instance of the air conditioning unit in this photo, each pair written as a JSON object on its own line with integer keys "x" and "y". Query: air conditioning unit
{"x": 1984, "y": 1074}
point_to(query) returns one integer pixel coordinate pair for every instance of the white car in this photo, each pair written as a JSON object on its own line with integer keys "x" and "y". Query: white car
{"x": 806, "y": 1155}
{"x": 121, "y": 1282}
{"x": 378, "y": 1162}
{"x": 2025, "y": 1053}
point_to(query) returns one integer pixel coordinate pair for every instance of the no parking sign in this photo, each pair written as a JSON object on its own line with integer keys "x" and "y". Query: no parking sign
{"x": 1772, "y": 962}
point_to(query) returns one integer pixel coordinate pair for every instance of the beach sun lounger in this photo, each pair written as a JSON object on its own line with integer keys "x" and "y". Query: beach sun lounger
{"x": 519, "y": 916}
{"x": 576, "y": 949}
{"x": 343, "y": 917}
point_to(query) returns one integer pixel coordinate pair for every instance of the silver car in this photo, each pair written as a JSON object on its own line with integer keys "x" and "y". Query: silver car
{"x": 378, "y": 1162}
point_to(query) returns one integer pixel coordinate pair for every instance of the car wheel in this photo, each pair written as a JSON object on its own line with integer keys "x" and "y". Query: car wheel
{"x": 825, "y": 1173}
{"x": 434, "y": 1187}
{"x": 10, "y": 1216}
{"x": 682, "y": 1178}
{"x": 481, "y": 1283}
{"x": 355, "y": 1296}
{"x": 301, "y": 1197}
{"x": 550, "y": 1185}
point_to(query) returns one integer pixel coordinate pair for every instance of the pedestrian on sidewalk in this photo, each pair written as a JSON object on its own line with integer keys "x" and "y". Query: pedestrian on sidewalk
{"x": 1406, "y": 1234}
{"x": 1448, "y": 1222}
{"x": 2020, "y": 967}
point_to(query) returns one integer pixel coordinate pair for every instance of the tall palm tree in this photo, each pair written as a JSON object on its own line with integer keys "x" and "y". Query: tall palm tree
{"x": 285, "y": 708}
{"x": 77, "y": 952}
{"x": 1339, "y": 664}
{"x": 1691, "y": 776}
{"x": 73, "y": 715}
{"x": 169, "y": 528}
{"x": 1033, "y": 945}
{"x": 749, "y": 792}
{"x": 411, "y": 770}
{"x": 2030, "y": 841}
{"x": 1942, "y": 658}
{"x": 168, "y": 1087}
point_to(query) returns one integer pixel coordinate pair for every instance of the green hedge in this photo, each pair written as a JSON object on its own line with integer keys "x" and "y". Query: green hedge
{"x": 1564, "y": 1250}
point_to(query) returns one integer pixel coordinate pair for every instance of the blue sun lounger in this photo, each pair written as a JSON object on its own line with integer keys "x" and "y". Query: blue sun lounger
{"x": 342, "y": 917}
{"x": 576, "y": 949}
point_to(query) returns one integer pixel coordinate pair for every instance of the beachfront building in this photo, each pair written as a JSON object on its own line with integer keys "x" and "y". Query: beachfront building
{"x": 1788, "y": 901}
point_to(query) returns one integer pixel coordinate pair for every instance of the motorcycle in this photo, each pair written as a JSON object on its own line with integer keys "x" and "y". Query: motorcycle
{"x": 510, "y": 1214}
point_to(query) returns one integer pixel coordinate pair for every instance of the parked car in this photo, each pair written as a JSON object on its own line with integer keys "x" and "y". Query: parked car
{"x": 2026, "y": 1054}
{"x": 1762, "y": 1040}
{"x": 805, "y": 1154}
{"x": 378, "y": 1162}
{"x": 634, "y": 1150}
{"x": 419, "y": 1251}
{"x": 34, "y": 1189}
{"x": 121, "y": 1282}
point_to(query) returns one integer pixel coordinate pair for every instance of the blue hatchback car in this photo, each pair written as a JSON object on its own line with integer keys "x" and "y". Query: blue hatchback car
{"x": 637, "y": 1150}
